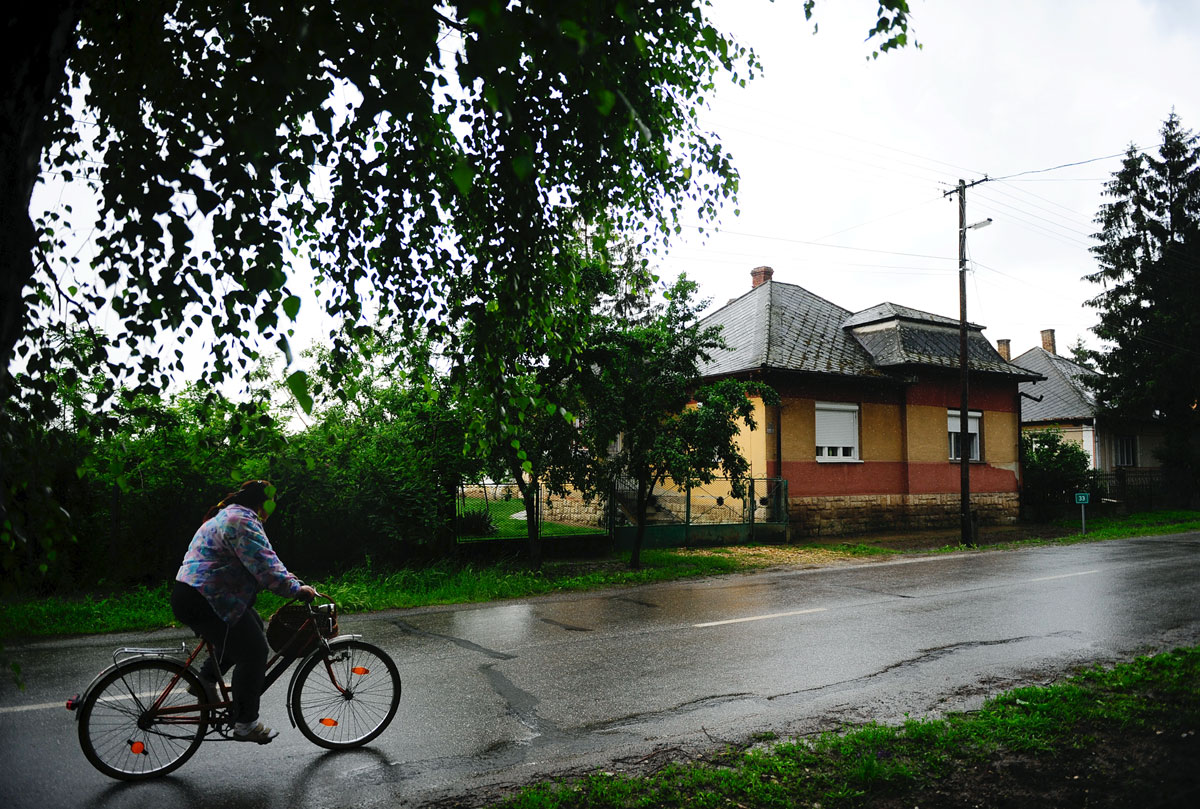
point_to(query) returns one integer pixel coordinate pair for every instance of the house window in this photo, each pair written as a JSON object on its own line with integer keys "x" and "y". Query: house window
{"x": 954, "y": 427}
{"x": 1125, "y": 451}
{"x": 837, "y": 432}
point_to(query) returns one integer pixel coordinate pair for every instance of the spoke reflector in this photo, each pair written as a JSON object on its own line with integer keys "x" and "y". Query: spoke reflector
{"x": 137, "y": 748}
{"x": 360, "y": 670}
{"x": 329, "y": 723}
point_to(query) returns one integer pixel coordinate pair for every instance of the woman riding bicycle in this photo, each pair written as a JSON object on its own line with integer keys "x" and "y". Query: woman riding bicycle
{"x": 227, "y": 563}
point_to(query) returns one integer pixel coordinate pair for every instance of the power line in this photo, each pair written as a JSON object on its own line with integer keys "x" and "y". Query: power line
{"x": 819, "y": 244}
{"x": 1066, "y": 165}
{"x": 1074, "y": 215}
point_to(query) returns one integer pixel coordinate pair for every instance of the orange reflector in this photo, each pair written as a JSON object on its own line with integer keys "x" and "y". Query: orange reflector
{"x": 360, "y": 670}
{"x": 137, "y": 748}
{"x": 329, "y": 723}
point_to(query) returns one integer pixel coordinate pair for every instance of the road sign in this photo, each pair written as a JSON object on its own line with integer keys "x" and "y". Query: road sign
{"x": 1082, "y": 498}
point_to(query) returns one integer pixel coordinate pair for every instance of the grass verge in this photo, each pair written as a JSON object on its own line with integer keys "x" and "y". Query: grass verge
{"x": 363, "y": 590}
{"x": 1149, "y": 523}
{"x": 1018, "y": 743}
{"x": 366, "y": 589}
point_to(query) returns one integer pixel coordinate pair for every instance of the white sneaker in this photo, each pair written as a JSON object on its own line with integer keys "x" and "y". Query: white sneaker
{"x": 259, "y": 734}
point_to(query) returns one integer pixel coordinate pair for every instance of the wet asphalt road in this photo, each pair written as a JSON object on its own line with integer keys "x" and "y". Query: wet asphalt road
{"x": 500, "y": 694}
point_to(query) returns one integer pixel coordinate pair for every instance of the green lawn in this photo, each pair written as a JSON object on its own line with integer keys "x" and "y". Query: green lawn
{"x": 508, "y": 520}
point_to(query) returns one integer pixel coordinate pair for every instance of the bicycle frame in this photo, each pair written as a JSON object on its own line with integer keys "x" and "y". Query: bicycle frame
{"x": 148, "y": 713}
{"x": 188, "y": 714}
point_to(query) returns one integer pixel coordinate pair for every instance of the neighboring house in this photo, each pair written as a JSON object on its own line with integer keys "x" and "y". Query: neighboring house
{"x": 1062, "y": 401}
{"x": 867, "y": 433}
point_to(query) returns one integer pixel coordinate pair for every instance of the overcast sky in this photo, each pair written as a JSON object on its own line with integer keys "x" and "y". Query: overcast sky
{"x": 845, "y": 162}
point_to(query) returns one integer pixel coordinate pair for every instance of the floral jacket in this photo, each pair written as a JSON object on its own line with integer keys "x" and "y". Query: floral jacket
{"x": 230, "y": 560}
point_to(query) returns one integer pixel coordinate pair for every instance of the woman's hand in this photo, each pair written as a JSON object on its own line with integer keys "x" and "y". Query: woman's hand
{"x": 306, "y": 593}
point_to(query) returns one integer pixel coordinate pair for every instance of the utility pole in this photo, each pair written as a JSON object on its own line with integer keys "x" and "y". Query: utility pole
{"x": 964, "y": 421}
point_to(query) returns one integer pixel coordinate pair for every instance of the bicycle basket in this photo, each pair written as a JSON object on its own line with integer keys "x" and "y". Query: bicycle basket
{"x": 293, "y": 630}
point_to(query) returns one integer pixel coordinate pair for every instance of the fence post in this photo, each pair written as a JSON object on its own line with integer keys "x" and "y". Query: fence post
{"x": 687, "y": 514}
{"x": 753, "y": 508}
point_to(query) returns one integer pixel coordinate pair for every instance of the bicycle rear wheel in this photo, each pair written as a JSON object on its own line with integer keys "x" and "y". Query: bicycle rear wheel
{"x": 124, "y": 737}
{"x": 347, "y": 698}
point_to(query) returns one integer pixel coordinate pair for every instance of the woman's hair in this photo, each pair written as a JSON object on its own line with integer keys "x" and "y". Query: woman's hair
{"x": 251, "y": 494}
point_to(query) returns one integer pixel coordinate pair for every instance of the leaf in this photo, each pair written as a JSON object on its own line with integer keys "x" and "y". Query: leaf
{"x": 572, "y": 30}
{"x": 463, "y": 176}
{"x": 605, "y": 101}
{"x": 522, "y": 166}
{"x": 291, "y": 306}
{"x": 207, "y": 201}
{"x": 297, "y": 383}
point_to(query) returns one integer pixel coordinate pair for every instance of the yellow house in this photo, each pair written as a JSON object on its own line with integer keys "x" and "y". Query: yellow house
{"x": 867, "y": 432}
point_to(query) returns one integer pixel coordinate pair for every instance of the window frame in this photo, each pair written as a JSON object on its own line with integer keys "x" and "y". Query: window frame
{"x": 852, "y": 409}
{"x": 974, "y": 419}
{"x": 1121, "y": 445}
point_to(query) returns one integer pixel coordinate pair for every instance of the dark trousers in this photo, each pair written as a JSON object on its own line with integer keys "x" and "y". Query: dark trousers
{"x": 242, "y": 644}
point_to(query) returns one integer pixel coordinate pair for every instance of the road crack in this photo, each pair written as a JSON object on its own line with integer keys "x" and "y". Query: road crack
{"x": 409, "y": 629}
{"x": 925, "y": 656}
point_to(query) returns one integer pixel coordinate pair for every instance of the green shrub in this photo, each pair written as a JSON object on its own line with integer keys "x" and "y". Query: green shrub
{"x": 476, "y": 524}
{"x": 1053, "y": 469}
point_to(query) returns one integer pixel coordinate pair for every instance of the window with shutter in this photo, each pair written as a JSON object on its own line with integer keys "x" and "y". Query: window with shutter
{"x": 954, "y": 426}
{"x": 837, "y": 432}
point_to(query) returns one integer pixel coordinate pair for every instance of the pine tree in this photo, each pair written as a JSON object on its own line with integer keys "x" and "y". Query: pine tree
{"x": 1149, "y": 311}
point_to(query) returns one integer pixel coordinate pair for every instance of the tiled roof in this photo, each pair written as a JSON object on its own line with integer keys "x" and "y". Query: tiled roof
{"x": 786, "y": 327}
{"x": 892, "y": 311}
{"x": 903, "y": 342}
{"x": 1064, "y": 396}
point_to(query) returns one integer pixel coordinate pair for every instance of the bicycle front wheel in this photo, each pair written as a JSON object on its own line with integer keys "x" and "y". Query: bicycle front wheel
{"x": 348, "y": 697}
{"x": 125, "y": 736}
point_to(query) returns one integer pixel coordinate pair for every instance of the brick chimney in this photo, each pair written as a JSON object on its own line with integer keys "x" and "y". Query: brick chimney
{"x": 760, "y": 276}
{"x": 1003, "y": 346}
{"x": 1048, "y": 341}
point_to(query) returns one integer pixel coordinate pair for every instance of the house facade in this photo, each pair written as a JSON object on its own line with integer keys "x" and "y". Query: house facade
{"x": 1061, "y": 401}
{"x": 867, "y": 431}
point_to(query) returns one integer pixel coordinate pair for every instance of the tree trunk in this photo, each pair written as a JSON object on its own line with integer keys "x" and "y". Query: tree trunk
{"x": 529, "y": 492}
{"x": 38, "y": 40}
{"x": 635, "y": 559}
{"x": 533, "y": 526}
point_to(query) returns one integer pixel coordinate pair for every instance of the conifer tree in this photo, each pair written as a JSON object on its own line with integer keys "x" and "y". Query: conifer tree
{"x": 1149, "y": 311}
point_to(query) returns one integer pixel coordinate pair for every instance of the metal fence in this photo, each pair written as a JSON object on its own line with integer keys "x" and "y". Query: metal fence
{"x": 763, "y": 500}
{"x": 710, "y": 513}
{"x": 497, "y": 511}
{"x": 1130, "y": 490}
{"x": 675, "y": 515}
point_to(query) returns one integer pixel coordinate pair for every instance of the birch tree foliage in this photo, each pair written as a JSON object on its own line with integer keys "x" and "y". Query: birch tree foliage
{"x": 423, "y": 158}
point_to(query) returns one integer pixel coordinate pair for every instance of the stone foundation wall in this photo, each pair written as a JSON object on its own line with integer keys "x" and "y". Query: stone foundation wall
{"x": 859, "y": 514}
{"x": 573, "y": 510}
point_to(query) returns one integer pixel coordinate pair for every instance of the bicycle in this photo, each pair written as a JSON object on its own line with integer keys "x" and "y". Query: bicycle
{"x": 144, "y": 716}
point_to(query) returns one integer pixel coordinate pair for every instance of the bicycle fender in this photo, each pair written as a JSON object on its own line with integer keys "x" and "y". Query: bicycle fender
{"x": 81, "y": 698}
{"x": 333, "y": 644}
